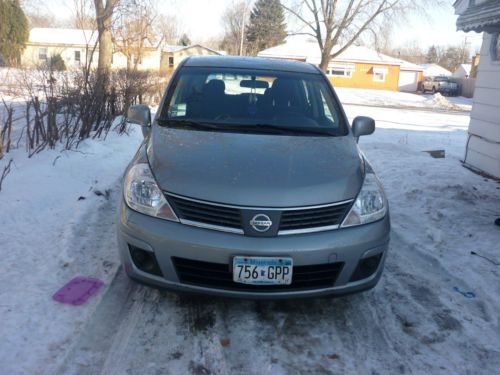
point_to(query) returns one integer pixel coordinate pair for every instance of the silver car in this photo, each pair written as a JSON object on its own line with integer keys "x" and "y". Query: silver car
{"x": 250, "y": 183}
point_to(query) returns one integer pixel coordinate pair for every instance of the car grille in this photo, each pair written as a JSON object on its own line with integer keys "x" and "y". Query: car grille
{"x": 219, "y": 276}
{"x": 313, "y": 217}
{"x": 223, "y": 217}
{"x": 206, "y": 213}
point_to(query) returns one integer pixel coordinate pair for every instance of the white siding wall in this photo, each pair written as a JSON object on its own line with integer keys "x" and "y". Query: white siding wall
{"x": 31, "y": 58}
{"x": 483, "y": 150}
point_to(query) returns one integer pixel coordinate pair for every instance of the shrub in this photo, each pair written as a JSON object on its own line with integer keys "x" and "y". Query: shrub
{"x": 65, "y": 107}
{"x": 57, "y": 63}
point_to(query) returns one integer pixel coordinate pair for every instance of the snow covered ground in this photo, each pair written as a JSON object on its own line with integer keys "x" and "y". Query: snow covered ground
{"x": 413, "y": 322}
{"x": 402, "y": 99}
{"x": 53, "y": 226}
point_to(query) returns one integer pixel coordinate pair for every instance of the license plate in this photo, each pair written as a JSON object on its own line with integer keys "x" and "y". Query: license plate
{"x": 262, "y": 270}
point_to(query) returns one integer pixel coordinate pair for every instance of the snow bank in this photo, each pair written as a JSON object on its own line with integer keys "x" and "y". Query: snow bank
{"x": 439, "y": 101}
{"x": 49, "y": 213}
{"x": 401, "y": 99}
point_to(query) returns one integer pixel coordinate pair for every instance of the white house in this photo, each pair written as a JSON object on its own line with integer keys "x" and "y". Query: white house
{"x": 463, "y": 71}
{"x": 483, "y": 145}
{"x": 79, "y": 47}
{"x": 435, "y": 70}
{"x": 73, "y": 45}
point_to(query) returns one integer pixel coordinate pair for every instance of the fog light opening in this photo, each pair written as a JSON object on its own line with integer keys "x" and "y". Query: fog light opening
{"x": 366, "y": 267}
{"x": 145, "y": 260}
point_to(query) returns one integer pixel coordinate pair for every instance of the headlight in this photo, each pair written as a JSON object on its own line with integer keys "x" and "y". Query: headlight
{"x": 143, "y": 195}
{"x": 370, "y": 205}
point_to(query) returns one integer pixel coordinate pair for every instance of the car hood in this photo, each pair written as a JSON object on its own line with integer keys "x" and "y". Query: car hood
{"x": 258, "y": 170}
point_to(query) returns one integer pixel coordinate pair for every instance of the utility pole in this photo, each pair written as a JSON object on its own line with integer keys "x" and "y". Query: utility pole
{"x": 243, "y": 29}
{"x": 464, "y": 56}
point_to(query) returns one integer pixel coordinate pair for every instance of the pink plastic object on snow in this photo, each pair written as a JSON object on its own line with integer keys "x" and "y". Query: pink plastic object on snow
{"x": 78, "y": 290}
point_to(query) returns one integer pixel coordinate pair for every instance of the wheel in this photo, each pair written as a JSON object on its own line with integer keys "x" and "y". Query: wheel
{"x": 434, "y": 90}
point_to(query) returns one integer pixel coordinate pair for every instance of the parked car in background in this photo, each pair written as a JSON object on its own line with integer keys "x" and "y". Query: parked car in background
{"x": 441, "y": 84}
{"x": 250, "y": 183}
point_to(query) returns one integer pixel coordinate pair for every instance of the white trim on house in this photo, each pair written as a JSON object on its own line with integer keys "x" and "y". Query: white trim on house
{"x": 341, "y": 70}
{"x": 379, "y": 74}
{"x": 483, "y": 147}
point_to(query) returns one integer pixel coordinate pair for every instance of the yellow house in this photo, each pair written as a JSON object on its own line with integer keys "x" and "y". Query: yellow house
{"x": 356, "y": 67}
{"x": 172, "y": 56}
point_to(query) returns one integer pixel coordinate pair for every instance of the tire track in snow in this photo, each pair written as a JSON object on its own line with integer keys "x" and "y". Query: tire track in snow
{"x": 408, "y": 324}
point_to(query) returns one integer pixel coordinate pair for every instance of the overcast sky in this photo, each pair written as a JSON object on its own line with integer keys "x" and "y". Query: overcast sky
{"x": 201, "y": 20}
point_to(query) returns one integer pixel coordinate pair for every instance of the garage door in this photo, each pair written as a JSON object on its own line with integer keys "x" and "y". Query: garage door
{"x": 408, "y": 81}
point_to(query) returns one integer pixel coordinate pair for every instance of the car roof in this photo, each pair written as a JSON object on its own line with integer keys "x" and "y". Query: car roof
{"x": 240, "y": 62}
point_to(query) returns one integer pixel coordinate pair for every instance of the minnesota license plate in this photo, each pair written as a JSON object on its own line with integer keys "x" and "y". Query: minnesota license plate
{"x": 262, "y": 270}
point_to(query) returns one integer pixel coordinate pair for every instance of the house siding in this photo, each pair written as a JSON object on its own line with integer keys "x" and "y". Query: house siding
{"x": 30, "y": 55}
{"x": 362, "y": 77}
{"x": 181, "y": 55}
{"x": 150, "y": 59}
{"x": 483, "y": 147}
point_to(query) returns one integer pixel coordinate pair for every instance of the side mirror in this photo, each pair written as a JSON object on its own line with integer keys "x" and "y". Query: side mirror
{"x": 141, "y": 115}
{"x": 362, "y": 125}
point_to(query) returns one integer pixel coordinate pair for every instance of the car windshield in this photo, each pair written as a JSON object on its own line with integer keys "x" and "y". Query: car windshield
{"x": 252, "y": 101}
{"x": 441, "y": 79}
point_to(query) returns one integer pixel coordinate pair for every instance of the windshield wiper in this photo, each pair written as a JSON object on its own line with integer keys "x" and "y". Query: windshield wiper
{"x": 188, "y": 124}
{"x": 289, "y": 130}
{"x": 261, "y": 128}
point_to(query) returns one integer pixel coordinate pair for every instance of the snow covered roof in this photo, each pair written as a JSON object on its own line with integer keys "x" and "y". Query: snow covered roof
{"x": 175, "y": 48}
{"x": 406, "y": 65}
{"x": 296, "y": 49}
{"x": 53, "y": 36}
{"x": 466, "y": 68}
{"x": 172, "y": 48}
{"x": 434, "y": 70}
{"x": 365, "y": 54}
{"x": 308, "y": 51}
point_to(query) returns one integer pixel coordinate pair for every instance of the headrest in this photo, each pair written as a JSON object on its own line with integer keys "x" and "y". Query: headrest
{"x": 214, "y": 87}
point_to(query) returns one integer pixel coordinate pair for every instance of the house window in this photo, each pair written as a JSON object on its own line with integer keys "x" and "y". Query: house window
{"x": 495, "y": 47}
{"x": 345, "y": 71}
{"x": 42, "y": 54}
{"x": 77, "y": 57}
{"x": 170, "y": 61}
{"x": 379, "y": 74}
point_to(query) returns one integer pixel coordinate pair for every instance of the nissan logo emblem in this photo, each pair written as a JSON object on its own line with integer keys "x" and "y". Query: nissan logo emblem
{"x": 261, "y": 223}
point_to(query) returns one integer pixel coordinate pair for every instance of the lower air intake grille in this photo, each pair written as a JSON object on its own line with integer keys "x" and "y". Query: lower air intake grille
{"x": 218, "y": 275}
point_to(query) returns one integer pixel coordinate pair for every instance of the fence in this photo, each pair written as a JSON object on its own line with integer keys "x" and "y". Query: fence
{"x": 467, "y": 86}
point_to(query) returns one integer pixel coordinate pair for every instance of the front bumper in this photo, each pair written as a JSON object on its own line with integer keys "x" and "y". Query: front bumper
{"x": 447, "y": 90}
{"x": 169, "y": 239}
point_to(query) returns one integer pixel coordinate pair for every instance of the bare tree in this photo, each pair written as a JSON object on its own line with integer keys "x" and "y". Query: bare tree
{"x": 336, "y": 25}
{"x": 168, "y": 29}
{"x": 135, "y": 30}
{"x": 234, "y": 21}
{"x": 82, "y": 15}
{"x": 411, "y": 51}
{"x": 42, "y": 20}
{"x": 104, "y": 19}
